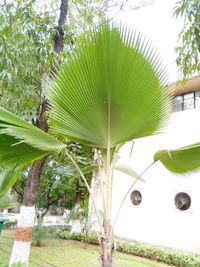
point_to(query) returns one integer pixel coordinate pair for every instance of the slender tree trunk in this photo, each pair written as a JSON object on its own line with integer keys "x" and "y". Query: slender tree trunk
{"x": 107, "y": 241}
{"x": 107, "y": 245}
{"x": 78, "y": 197}
{"x": 23, "y": 234}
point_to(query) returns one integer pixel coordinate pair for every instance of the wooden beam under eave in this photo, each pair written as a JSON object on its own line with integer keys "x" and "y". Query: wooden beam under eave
{"x": 191, "y": 85}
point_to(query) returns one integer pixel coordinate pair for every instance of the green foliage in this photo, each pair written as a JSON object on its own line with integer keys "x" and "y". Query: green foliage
{"x": 10, "y": 225}
{"x": 26, "y": 55}
{"x": 60, "y": 182}
{"x": 83, "y": 15}
{"x": 91, "y": 238}
{"x": 7, "y": 179}
{"x": 158, "y": 254}
{"x": 128, "y": 170}
{"x": 188, "y": 50}
{"x": 181, "y": 160}
{"x": 3, "y": 264}
{"x": 41, "y": 234}
{"x": 112, "y": 76}
{"x": 6, "y": 202}
{"x": 19, "y": 136}
{"x": 18, "y": 265}
{"x": 135, "y": 248}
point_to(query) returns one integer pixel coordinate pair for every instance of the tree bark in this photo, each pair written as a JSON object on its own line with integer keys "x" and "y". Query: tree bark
{"x": 23, "y": 234}
{"x": 59, "y": 37}
{"x": 33, "y": 181}
{"x": 107, "y": 246}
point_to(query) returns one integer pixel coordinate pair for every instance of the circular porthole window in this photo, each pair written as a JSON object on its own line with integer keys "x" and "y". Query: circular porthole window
{"x": 136, "y": 197}
{"x": 182, "y": 201}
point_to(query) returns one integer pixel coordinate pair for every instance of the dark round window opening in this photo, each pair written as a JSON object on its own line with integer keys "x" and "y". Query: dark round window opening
{"x": 136, "y": 197}
{"x": 182, "y": 201}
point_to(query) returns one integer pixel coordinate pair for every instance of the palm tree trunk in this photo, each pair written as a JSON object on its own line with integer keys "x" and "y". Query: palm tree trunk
{"x": 107, "y": 242}
{"x": 107, "y": 246}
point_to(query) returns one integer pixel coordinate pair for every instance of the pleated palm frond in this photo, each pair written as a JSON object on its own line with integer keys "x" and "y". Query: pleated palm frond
{"x": 110, "y": 90}
{"x": 181, "y": 160}
{"x": 8, "y": 177}
{"x": 22, "y": 142}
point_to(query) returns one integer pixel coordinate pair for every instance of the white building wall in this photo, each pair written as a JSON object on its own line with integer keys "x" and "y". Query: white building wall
{"x": 157, "y": 220}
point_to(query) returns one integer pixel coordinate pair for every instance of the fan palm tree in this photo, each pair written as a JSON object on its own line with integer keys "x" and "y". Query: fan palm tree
{"x": 110, "y": 90}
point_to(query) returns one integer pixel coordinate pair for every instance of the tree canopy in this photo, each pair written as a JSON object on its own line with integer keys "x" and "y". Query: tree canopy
{"x": 188, "y": 50}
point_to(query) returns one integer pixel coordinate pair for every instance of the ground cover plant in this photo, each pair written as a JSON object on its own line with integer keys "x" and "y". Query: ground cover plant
{"x": 165, "y": 255}
{"x": 64, "y": 253}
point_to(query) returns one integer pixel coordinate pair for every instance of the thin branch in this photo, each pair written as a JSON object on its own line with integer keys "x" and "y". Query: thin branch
{"x": 75, "y": 4}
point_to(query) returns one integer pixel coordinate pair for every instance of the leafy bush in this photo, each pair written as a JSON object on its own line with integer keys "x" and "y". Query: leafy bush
{"x": 42, "y": 233}
{"x": 82, "y": 237}
{"x": 3, "y": 264}
{"x": 135, "y": 248}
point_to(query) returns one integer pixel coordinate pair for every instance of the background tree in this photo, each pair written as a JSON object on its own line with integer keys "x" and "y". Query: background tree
{"x": 26, "y": 57}
{"x": 61, "y": 185}
{"x": 188, "y": 50}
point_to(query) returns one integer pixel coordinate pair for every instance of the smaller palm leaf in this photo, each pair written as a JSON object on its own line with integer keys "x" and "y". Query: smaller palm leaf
{"x": 22, "y": 142}
{"x": 181, "y": 160}
{"x": 8, "y": 177}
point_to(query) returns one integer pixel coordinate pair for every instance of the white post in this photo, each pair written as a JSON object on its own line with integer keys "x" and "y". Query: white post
{"x": 23, "y": 236}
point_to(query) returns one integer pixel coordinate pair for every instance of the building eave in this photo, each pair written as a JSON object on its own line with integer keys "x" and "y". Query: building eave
{"x": 191, "y": 85}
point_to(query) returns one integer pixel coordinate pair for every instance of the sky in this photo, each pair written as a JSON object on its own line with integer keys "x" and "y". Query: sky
{"x": 156, "y": 21}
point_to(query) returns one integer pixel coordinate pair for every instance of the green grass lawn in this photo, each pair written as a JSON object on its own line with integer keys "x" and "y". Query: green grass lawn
{"x": 67, "y": 253}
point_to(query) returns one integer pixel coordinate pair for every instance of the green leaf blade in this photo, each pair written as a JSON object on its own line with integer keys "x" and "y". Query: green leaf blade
{"x": 22, "y": 142}
{"x": 8, "y": 177}
{"x": 111, "y": 90}
{"x": 182, "y": 160}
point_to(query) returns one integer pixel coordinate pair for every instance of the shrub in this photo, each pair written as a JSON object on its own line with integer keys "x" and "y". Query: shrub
{"x": 2, "y": 264}
{"x": 138, "y": 249}
{"x": 41, "y": 234}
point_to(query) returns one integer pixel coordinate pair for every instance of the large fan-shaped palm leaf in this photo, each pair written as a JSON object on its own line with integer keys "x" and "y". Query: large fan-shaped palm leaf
{"x": 110, "y": 90}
